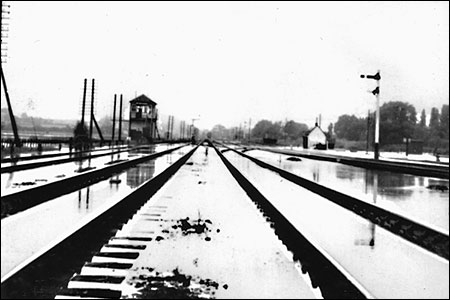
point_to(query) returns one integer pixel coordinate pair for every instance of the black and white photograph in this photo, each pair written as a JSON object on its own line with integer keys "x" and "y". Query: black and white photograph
{"x": 225, "y": 150}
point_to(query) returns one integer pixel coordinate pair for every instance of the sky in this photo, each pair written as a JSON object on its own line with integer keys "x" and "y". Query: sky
{"x": 227, "y": 62}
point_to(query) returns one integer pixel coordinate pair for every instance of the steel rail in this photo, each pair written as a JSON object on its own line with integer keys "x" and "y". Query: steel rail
{"x": 438, "y": 171}
{"x": 325, "y": 273}
{"x": 19, "y": 201}
{"x": 44, "y": 274}
{"x": 50, "y": 155}
{"x": 76, "y": 157}
{"x": 432, "y": 239}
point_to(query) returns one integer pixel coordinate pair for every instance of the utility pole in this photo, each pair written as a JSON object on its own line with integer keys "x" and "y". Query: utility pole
{"x": 249, "y": 129}
{"x": 368, "y": 130}
{"x": 92, "y": 112}
{"x": 192, "y": 128}
{"x": 181, "y": 129}
{"x": 11, "y": 114}
{"x": 4, "y": 30}
{"x": 120, "y": 120}
{"x": 114, "y": 120}
{"x": 168, "y": 128}
{"x": 376, "y": 92}
{"x": 84, "y": 102}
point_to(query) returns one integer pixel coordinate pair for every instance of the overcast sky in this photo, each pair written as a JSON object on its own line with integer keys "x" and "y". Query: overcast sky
{"x": 228, "y": 61}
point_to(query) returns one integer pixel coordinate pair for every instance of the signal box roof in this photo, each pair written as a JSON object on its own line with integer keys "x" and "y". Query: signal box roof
{"x": 142, "y": 99}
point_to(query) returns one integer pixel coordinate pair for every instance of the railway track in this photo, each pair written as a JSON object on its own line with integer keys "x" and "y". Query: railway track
{"x": 73, "y": 157}
{"x": 40, "y": 276}
{"x": 96, "y": 258}
{"x": 432, "y": 239}
{"x": 21, "y": 200}
{"x": 434, "y": 170}
{"x": 51, "y": 155}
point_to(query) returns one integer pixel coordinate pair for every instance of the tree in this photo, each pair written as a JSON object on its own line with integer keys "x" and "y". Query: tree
{"x": 267, "y": 129}
{"x": 261, "y": 128}
{"x": 434, "y": 119}
{"x": 220, "y": 132}
{"x": 397, "y": 121}
{"x": 444, "y": 122}
{"x": 274, "y": 131}
{"x": 294, "y": 130}
{"x": 423, "y": 119}
{"x": 350, "y": 127}
{"x": 330, "y": 130}
{"x": 421, "y": 130}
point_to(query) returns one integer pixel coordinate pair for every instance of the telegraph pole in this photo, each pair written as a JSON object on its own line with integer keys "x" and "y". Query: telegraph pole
{"x": 92, "y": 112}
{"x": 114, "y": 120}
{"x": 368, "y": 131}
{"x": 120, "y": 120}
{"x": 376, "y": 92}
{"x": 4, "y": 30}
{"x": 249, "y": 129}
{"x": 84, "y": 102}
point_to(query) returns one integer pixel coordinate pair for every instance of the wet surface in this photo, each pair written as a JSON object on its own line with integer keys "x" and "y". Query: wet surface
{"x": 406, "y": 194}
{"x": 379, "y": 260}
{"x": 209, "y": 241}
{"x": 56, "y": 155}
{"x": 56, "y": 172}
{"x": 58, "y": 216}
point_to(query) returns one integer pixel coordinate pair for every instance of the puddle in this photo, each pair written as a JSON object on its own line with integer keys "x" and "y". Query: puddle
{"x": 293, "y": 158}
{"x": 25, "y": 183}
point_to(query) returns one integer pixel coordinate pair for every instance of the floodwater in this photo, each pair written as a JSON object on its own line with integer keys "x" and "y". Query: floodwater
{"x": 63, "y": 154}
{"x": 64, "y": 151}
{"x": 209, "y": 241}
{"x": 386, "y": 265}
{"x": 25, "y": 179}
{"x": 56, "y": 217}
{"x": 405, "y": 194}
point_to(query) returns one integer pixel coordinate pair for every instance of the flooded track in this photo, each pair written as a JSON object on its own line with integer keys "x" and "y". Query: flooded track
{"x": 202, "y": 224}
{"x": 60, "y": 215}
{"x": 26, "y": 194}
{"x": 364, "y": 249}
{"x": 402, "y": 193}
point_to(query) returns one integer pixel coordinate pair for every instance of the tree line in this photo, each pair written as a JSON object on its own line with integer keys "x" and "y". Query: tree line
{"x": 398, "y": 120}
{"x": 288, "y": 132}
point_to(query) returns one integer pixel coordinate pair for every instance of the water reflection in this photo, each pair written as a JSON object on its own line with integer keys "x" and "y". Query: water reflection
{"x": 368, "y": 234}
{"x": 140, "y": 173}
{"x": 316, "y": 173}
{"x": 348, "y": 172}
{"x": 419, "y": 197}
{"x": 144, "y": 150}
{"x": 400, "y": 186}
{"x": 84, "y": 207}
{"x": 169, "y": 158}
{"x": 83, "y": 157}
{"x": 10, "y": 179}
